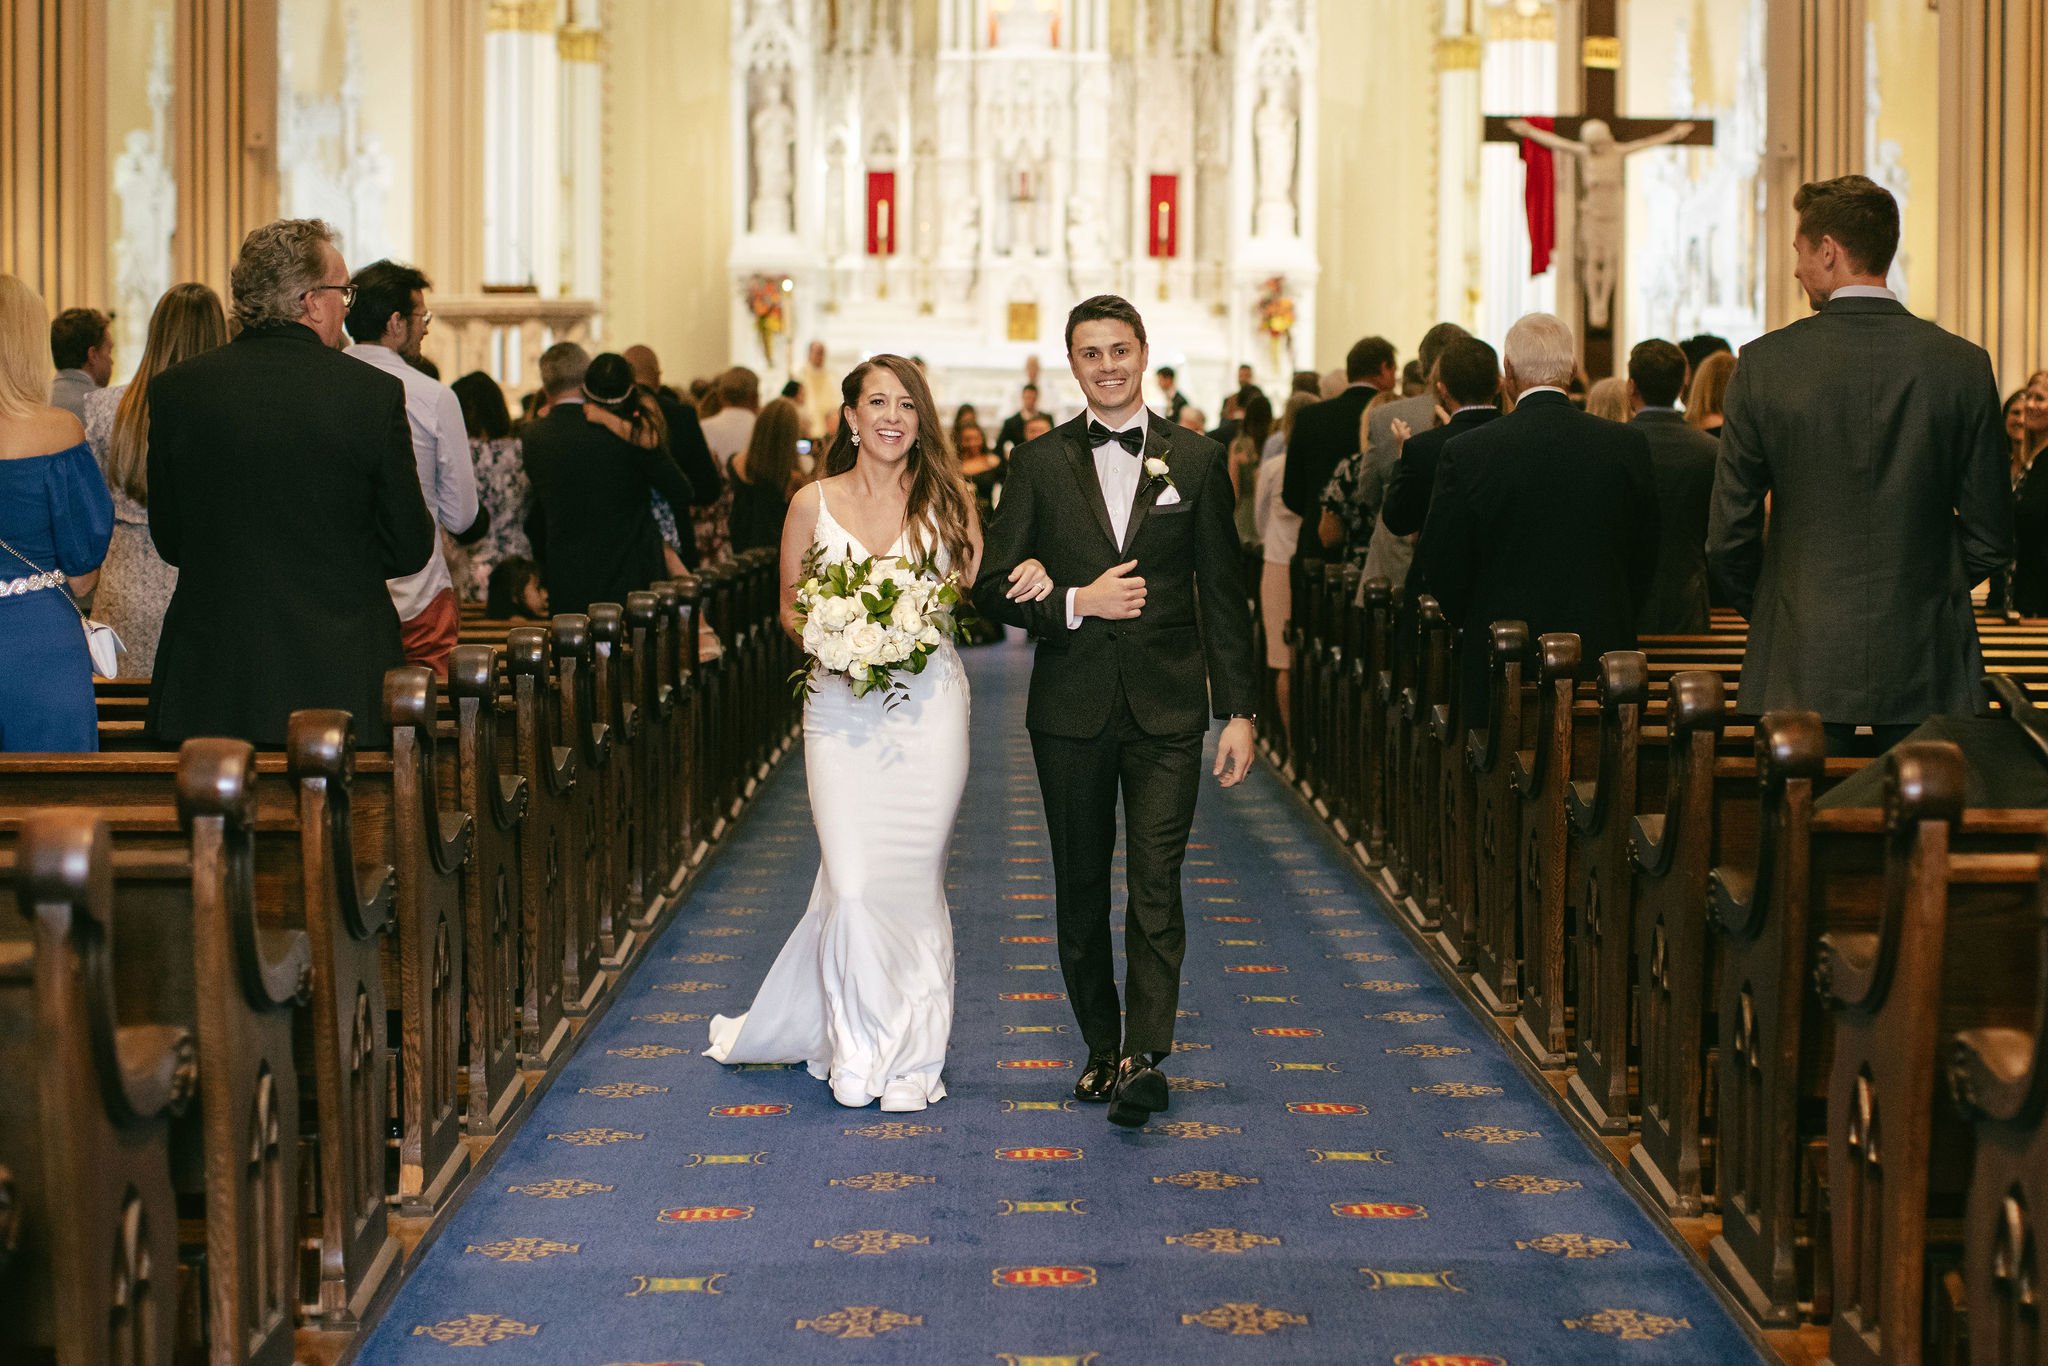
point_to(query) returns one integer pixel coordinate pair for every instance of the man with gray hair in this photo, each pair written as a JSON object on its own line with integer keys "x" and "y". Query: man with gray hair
{"x": 1546, "y": 516}
{"x": 283, "y": 488}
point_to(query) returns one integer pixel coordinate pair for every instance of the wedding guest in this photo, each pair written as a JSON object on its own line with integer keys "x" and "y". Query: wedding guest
{"x": 2030, "y": 518}
{"x": 1192, "y": 418}
{"x": 1012, "y": 433}
{"x": 388, "y": 319}
{"x": 686, "y": 445}
{"x": 501, "y": 488}
{"x": 1413, "y": 381}
{"x": 1608, "y": 398}
{"x": 1491, "y": 548}
{"x": 984, "y": 470}
{"x": 82, "y": 345}
{"x": 283, "y": 486}
{"x": 1277, "y": 442}
{"x": 1329, "y": 431}
{"x": 1305, "y": 382}
{"x": 591, "y": 485}
{"x": 515, "y": 591}
{"x": 56, "y": 518}
{"x": 1701, "y": 345}
{"x": 1278, "y": 529}
{"x": 1247, "y": 446}
{"x": 819, "y": 406}
{"x": 967, "y": 415}
{"x": 1682, "y": 468}
{"x": 1862, "y": 491}
{"x": 765, "y": 477}
{"x": 1171, "y": 399}
{"x": 1245, "y": 381}
{"x": 727, "y": 429}
{"x": 1706, "y": 401}
{"x": 135, "y": 584}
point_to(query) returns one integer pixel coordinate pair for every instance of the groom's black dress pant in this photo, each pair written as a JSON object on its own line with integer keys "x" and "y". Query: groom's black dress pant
{"x": 1159, "y": 776}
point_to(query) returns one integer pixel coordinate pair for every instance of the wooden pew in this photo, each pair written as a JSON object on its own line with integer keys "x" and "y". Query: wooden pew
{"x": 1496, "y": 960}
{"x": 1541, "y": 776}
{"x": 549, "y": 885}
{"x": 85, "y": 1122}
{"x": 585, "y": 835}
{"x": 495, "y": 794}
{"x": 1954, "y": 947}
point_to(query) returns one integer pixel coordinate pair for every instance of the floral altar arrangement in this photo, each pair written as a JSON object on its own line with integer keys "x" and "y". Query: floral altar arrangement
{"x": 1276, "y": 314}
{"x": 763, "y": 294}
{"x": 873, "y": 619}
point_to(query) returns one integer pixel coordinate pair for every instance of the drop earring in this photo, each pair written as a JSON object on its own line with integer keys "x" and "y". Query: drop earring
{"x": 856, "y": 438}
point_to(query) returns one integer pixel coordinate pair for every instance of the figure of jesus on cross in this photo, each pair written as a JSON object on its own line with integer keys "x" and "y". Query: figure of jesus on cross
{"x": 1600, "y": 203}
{"x": 1598, "y": 141}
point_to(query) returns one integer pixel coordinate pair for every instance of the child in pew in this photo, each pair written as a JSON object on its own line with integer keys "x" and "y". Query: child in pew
{"x": 515, "y": 591}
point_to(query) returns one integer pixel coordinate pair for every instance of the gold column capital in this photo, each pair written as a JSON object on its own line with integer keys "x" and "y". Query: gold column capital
{"x": 521, "y": 16}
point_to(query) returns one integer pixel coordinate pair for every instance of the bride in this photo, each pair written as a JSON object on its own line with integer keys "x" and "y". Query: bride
{"x": 862, "y": 993}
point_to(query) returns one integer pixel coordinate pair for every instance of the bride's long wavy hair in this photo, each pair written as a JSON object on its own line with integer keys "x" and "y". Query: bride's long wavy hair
{"x": 937, "y": 487}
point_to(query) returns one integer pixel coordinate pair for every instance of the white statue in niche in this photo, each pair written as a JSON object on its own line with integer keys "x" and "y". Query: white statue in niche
{"x": 1275, "y": 135}
{"x": 1600, "y": 200}
{"x": 774, "y": 130}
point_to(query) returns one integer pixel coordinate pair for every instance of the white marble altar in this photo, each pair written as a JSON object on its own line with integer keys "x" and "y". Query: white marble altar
{"x": 1023, "y": 153}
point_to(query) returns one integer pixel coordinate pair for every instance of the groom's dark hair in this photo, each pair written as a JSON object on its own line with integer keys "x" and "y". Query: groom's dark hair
{"x": 1104, "y": 308}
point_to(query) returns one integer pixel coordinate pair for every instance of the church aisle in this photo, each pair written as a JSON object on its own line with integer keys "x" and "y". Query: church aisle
{"x": 1352, "y": 1171}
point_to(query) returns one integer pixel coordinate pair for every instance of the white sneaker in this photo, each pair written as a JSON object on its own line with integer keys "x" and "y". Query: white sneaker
{"x": 904, "y": 1095}
{"x": 851, "y": 1094}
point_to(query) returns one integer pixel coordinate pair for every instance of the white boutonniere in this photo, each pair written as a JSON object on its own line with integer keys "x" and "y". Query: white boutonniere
{"x": 1156, "y": 470}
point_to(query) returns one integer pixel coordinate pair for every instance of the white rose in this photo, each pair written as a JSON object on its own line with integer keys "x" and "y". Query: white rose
{"x": 838, "y": 613}
{"x": 1155, "y": 467}
{"x": 814, "y": 635}
{"x": 834, "y": 654}
{"x": 907, "y": 615}
{"x": 865, "y": 641}
{"x": 929, "y": 635}
{"x": 901, "y": 643}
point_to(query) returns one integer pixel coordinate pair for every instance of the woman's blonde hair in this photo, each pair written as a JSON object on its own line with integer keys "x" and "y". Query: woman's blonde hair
{"x": 1608, "y": 398}
{"x": 188, "y": 320}
{"x": 25, "y": 365}
{"x": 1708, "y": 396}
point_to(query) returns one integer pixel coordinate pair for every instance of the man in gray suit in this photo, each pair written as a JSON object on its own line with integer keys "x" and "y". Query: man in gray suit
{"x": 1876, "y": 436}
{"x": 1388, "y": 554}
{"x": 1682, "y": 459}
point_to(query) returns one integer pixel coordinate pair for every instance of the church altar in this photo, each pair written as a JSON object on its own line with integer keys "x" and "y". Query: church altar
{"x": 951, "y": 192}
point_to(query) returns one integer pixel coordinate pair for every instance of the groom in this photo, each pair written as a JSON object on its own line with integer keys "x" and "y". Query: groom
{"x": 1130, "y": 515}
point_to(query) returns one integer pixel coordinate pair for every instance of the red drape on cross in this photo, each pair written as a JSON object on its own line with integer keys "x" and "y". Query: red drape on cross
{"x": 1539, "y": 197}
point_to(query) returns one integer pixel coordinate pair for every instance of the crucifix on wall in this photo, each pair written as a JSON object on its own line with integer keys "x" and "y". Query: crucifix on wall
{"x": 1597, "y": 140}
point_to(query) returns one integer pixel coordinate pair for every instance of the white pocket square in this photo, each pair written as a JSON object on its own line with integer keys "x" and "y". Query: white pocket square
{"x": 1167, "y": 497}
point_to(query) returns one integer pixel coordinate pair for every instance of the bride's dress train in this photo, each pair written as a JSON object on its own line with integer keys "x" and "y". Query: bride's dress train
{"x": 862, "y": 992}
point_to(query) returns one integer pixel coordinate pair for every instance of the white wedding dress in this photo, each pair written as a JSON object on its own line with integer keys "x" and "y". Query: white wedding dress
{"x": 862, "y": 993}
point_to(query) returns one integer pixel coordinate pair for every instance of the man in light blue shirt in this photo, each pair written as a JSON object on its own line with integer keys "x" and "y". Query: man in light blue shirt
{"x": 82, "y": 345}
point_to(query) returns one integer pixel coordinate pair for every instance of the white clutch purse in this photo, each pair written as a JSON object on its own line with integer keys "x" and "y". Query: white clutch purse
{"x": 102, "y": 642}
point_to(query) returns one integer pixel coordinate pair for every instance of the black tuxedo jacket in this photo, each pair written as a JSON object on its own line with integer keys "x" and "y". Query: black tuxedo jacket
{"x": 282, "y": 485}
{"x": 1185, "y": 654}
{"x": 1547, "y": 516}
{"x": 1323, "y": 434}
{"x": 590, "y": 491}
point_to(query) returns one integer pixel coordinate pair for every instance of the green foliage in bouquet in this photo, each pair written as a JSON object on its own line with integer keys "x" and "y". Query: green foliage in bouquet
{"x": 874, "y": 619}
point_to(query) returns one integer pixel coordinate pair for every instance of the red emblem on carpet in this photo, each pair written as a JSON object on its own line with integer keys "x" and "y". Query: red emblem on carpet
{"x": 1032, "y": 996}
{"x": 706, "y": 1214}
{"x": 1039, "y": 1154}
{"x": 748, "y": 1111}
{"x": 1044, "y": 1277}
{"x": 1323, "y": 1107}
{"x": 1289, "y": 1033}
{"x": 1035, "y": 1064}
{"x": 1376, "y": 1209}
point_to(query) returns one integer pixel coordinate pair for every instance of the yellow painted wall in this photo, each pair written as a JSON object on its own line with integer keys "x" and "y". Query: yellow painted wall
{"x": 1376, "y": 169}
{"x": 668, "y": 179}
{"x": 1909, "y": 113}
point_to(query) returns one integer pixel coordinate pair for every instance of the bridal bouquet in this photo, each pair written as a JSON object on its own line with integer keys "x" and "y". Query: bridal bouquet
{"x": 873, "y": 619}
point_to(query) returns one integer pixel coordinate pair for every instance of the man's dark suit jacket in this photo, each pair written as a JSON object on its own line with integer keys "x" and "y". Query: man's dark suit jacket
{"x": 1408, "y": 492}
{"x": 693, "y": 457}
{"x": 1682, "y": 462}
{"x": 282, "y": 485}
{"x": 590, "y": 493}
{"x": 1323, "y": 434}
{"x": 1548, "y": 516}
{"x": 1185, "y": 653}
{"x": 1878, "y": 438}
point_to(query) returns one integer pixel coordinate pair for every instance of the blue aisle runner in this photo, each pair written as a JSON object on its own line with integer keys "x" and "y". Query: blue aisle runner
{"x": 1352, "y": 1171}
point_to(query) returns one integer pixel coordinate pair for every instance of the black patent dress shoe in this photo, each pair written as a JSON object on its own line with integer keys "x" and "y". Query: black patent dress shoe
{"x": 1097, "y": 1078}
{"x": 1139, "y": 1093}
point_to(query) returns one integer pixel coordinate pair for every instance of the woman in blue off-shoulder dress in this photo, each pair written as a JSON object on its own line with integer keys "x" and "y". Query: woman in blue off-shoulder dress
{"x": 55, "y": 520}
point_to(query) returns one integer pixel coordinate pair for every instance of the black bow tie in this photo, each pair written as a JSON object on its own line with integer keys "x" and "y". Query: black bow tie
{"x": 1132, "y": 439}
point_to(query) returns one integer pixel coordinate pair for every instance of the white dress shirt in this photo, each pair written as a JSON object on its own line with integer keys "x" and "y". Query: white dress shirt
{"x": 1118, "y": 472}
{"x": 727, "y": 433}
{"x": 440, "y": 450}
{"x": 1863, "y": 292}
